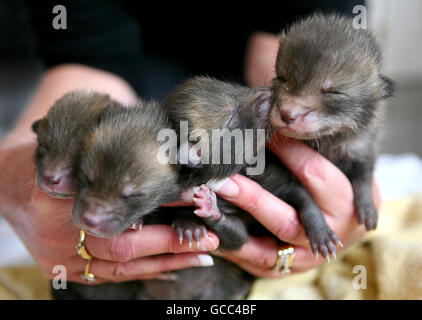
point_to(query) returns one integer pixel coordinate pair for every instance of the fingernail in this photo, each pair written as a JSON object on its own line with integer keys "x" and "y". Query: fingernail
{"x": 215, "y": 185}
{"x": 205, "y": 260}
{"x": 229, "y": 189}
{"x": 211, "y": 240}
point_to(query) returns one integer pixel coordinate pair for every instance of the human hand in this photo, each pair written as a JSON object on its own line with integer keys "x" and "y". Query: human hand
{"x": 328, "y": 186}
{"x": 44, "y": 225}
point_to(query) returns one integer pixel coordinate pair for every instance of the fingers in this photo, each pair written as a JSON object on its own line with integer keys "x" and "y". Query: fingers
{"x": 274, "y": 214}
{"x": 328, "y": 186}
{"x": 124, "y": 271}
{"x": 138, "y": 255}
{"x": 138, "y": 269}
{"x": 260, "y": 252}
{"x": 151, "y": 240}
{"x": 259, "y": 255}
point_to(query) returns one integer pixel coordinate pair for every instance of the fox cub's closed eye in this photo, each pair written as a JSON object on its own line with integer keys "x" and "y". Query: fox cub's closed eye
{"x": 330, "y": 91}
{"x": 133, "y": 196}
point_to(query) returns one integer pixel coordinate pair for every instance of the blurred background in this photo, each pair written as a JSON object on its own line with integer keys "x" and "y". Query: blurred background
{"x": 399, "y": 28}
{"x": 397, "y": 24}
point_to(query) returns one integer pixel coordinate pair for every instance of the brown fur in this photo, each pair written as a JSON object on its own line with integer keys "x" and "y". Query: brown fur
{"x": 328, "y": 67}
{"x": 118, "y": 165}
{"x": 206, "y": 103}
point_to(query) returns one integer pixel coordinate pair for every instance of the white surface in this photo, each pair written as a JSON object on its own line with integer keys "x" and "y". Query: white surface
{"x": 396, "y": 176}
{"x": 12, "y": 251}
{"x": 398, "y": 25}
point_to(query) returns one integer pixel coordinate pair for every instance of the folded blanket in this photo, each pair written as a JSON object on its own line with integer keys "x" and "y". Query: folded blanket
{"x": 390, "y": 257}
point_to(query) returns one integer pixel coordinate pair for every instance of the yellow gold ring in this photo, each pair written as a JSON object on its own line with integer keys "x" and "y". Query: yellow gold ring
{"x": 285, "y": 258}
{"x": 83, "y": 253}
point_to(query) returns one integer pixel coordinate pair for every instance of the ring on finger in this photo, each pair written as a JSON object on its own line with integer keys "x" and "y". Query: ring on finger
{"x": 87, "y": 276}
{"x": 285, "y": 258}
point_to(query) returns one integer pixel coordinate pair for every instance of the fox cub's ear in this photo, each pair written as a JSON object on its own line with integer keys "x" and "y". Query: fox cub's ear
{"x": 106, "y": 112}
{"x": 36, "y": 125}
{"x": 389, "y": 86}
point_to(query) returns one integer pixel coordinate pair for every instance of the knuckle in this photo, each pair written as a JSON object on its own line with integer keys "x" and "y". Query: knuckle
{"x": 120, "y": 271}
{"x": 266, "y": 260}
{"x": 120, "y": 250}
{"x": 165, "y": 263}
{"x": 280, "y": 231}
{"x": 310, "y": 170}
{"x": 291, "y": 231}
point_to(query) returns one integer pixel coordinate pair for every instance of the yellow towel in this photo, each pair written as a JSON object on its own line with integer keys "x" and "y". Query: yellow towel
{"x": 391, "y": 258}
{"x": 23, "y": 283}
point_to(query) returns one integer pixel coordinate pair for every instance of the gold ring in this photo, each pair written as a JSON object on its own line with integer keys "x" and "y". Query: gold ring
{"x": 285, "y": 258}
{"x": 83, "y": 253}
